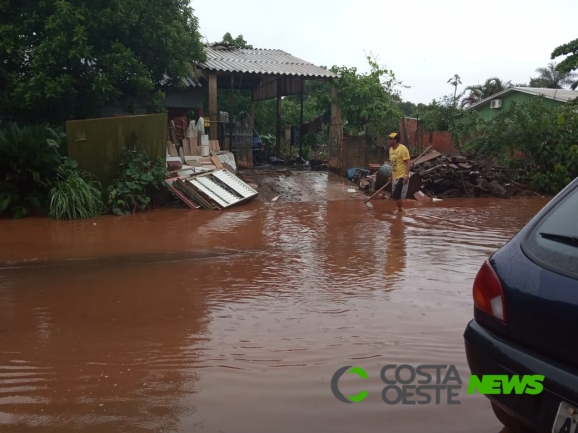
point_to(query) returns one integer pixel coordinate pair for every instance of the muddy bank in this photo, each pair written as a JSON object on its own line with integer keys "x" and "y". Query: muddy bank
{"x": 236, "y": 321}
{"x": 301, "y": 186}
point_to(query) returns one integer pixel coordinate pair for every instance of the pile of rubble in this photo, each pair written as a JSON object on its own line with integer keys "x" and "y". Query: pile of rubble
{"x": 459, "y": 177}
{"x": 206, "y": 182}
{"x": 436, "y": 176}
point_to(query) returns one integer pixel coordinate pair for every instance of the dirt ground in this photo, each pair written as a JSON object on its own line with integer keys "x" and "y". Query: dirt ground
{"x": 301, "y": 186}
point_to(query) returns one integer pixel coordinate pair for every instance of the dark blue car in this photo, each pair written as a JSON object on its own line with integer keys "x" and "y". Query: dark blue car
{"x": 526, "y": 319}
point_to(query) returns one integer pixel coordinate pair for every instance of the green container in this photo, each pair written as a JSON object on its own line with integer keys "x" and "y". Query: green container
{"x": 383, "y": 174}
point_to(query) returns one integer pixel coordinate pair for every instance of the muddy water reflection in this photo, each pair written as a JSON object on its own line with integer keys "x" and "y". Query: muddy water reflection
{"x": 234, "y": 322}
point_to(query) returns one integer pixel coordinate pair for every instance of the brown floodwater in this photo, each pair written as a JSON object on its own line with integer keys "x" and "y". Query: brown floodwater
{"x": 236, "y": 321}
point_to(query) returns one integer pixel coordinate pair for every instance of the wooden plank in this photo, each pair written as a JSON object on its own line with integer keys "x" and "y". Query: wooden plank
{"x": 173, "y": 133}
{"x": 179, "y": 194}
{"x": 428, "y": 157}
{"x": 217, "y": 161}
{"x": 421, "y": 197}
{"x": 194, "y": 146}
{"x": 214, "y": 145}
{"x": 189, "y": 191}
{"x": 186, "y": 147}
{"x": 172, "y": 149}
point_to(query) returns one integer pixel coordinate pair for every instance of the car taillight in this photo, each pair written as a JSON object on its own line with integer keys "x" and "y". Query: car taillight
{"x": 488, "y": 293}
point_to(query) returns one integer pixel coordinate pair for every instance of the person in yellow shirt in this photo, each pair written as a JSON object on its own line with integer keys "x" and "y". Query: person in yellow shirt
{"x": 400, "y": 163}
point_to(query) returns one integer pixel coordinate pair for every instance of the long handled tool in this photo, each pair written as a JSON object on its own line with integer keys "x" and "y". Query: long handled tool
{"x": 384, "y": 186}
{"x": 376, "y": 192}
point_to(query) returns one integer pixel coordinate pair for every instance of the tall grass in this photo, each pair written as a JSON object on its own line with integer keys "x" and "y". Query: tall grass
{"x": 74, "y": 198}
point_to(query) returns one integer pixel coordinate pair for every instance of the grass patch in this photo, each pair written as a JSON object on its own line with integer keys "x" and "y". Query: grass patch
{"x": 74, "y": 198}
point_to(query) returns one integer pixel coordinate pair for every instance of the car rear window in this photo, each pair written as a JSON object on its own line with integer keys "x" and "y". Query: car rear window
{"x": 559, "y": 252}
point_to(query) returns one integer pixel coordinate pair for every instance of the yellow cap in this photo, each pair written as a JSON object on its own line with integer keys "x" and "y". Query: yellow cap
{"x": 393, "y": 135}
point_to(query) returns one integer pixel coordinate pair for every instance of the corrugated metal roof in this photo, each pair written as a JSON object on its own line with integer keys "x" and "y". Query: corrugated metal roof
{"x": 563, "y": 95}
{"x": 262, "y": 62}
{"x": 556, "y": 94}
{"x": 189, "y": 81}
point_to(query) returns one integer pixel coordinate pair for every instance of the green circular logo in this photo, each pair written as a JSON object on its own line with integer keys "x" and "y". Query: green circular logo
{"x": 335, "y": 381}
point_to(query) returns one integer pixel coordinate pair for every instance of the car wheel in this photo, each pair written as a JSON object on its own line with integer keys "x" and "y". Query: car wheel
{"x": 514, "y": 426}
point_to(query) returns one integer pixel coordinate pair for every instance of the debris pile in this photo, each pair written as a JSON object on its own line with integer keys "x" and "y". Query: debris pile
{"x": 213, "y": 190}
{"x": 368, "y": 183}
{"x": 459, "y": 177}
{"x": 438, "y": 176}
{"x": 207, "y": 182}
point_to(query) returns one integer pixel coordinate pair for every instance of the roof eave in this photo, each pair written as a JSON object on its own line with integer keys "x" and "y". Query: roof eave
{"x": 478, "y": 104}
{"x": 329, "y": 76}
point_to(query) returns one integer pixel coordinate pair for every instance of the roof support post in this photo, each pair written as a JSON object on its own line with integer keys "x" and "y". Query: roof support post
{"x": 231, "y": 114}
{"x": 301, "y": 136}
{"x": 278, "y": 125}
{"x": 252, "y": 109}
{"x": 213, "y": 132}
{"x": 335, "y": 131}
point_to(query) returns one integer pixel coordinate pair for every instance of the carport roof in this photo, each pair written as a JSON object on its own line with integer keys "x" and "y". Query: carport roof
{"x": 260, "y": 62}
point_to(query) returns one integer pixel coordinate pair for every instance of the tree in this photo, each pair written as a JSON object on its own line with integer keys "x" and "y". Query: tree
{"x": 408, "y": 108}
{"x": 369, "y": 101}
{"x": 238, "y": 42}
{"x": 479, "y": 92}
{"x": 65, "y": 59}
{"x": 455, "y": 81}
{"x": 551, "y": 78}
{"x": 440, "y": 114}
{"x": 570, "y": 63}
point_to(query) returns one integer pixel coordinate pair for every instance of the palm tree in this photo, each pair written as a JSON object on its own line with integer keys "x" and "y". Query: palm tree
{"x": 550, "y": 78}
{"x": 455, "y": 81}
{"x": 480, "y": 92}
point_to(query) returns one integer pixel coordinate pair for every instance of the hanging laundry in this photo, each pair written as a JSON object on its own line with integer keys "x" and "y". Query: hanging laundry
{"x": 201, "y": 126}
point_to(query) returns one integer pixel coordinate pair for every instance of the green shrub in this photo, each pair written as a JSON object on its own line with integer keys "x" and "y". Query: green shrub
{"x": 29, "y": 157}
{"x": 139, "y": 181}
{"x": 268, "y": 141}
{"x": 73, "y": 197}
{"x": 546, "y": 136}
{"x": 552, "y": 181}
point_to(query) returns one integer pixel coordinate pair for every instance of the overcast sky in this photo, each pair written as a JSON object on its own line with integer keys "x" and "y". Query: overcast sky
{"x": 424, "y": 42}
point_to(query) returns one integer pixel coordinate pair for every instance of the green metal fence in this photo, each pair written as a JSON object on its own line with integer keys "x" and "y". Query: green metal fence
{"x": 96, "y": 144}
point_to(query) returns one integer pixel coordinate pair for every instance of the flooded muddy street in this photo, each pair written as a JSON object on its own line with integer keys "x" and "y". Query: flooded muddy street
{"x": 236, "y": 321}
